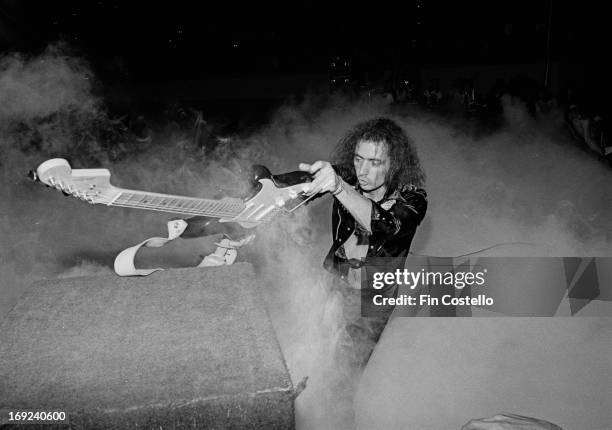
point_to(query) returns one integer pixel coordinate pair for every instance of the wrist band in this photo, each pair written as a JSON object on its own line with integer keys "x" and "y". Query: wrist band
{"x": 338, "y": 190}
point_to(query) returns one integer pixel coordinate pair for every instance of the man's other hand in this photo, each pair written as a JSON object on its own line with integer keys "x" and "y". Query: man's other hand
{"x": 325, "y": 177}
{"x": 509, "y": 422}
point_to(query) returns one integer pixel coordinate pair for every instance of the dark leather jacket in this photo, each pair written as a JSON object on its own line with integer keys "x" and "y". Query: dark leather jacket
{"x": 393, "y": 224}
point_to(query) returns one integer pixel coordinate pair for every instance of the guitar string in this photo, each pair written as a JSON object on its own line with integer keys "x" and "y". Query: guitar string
{"x": 176, "y": 210}
{"x": 207, "y": 203}
{"x": 209, "y": 206}
{"x": 189, "y": 211}
{"x": 232, "y": 216}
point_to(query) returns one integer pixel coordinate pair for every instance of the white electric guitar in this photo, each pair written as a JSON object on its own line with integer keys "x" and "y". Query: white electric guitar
{"x": 273, "y": 194}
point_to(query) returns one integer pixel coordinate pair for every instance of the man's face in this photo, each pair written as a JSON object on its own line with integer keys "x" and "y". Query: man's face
{"x": 371, "y": 164}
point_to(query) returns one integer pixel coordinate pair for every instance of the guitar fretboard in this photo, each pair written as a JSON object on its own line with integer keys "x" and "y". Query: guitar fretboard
{"x": 178, "y": 204}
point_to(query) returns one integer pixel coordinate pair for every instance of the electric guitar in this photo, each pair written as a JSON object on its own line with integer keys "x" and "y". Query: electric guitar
{"x": 271, "y": 194}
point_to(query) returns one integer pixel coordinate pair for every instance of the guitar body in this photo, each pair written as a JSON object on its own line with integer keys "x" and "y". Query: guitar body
{"x": 271, "y": 194}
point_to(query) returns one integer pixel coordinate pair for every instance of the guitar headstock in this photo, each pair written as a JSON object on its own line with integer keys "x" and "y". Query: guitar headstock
{"x": 90, "y": 185}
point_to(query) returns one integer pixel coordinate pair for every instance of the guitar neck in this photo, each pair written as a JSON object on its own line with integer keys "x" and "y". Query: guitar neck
{"x": 226, "y": 208}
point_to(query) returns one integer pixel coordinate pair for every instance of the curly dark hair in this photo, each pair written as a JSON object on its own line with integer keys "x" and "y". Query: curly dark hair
{"x": 405, "y": 166}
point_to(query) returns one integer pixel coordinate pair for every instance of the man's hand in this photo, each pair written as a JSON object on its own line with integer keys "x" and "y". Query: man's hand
{"x": 509, "y": 422}
{"x": 325, "y": 178}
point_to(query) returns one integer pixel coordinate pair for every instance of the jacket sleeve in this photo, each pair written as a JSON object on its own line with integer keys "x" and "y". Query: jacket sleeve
{"x": 395, "y": 218}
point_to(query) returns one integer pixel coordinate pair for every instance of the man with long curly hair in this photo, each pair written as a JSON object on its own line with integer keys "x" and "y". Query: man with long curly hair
{"x": 377, "y": 184}
{"x": 376, "y": 181}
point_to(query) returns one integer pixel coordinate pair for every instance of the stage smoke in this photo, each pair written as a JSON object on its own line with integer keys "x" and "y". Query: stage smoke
{"x": 522, "y": 183}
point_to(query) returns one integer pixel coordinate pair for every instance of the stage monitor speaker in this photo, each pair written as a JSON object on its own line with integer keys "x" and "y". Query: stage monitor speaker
{"x": 179, "y": 349}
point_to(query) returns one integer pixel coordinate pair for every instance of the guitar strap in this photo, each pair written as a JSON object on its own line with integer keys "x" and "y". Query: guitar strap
{"x": 225, "y": 254}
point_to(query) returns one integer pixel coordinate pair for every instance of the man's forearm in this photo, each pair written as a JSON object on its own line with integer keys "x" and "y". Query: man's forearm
{"x": 359, "y": 206}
